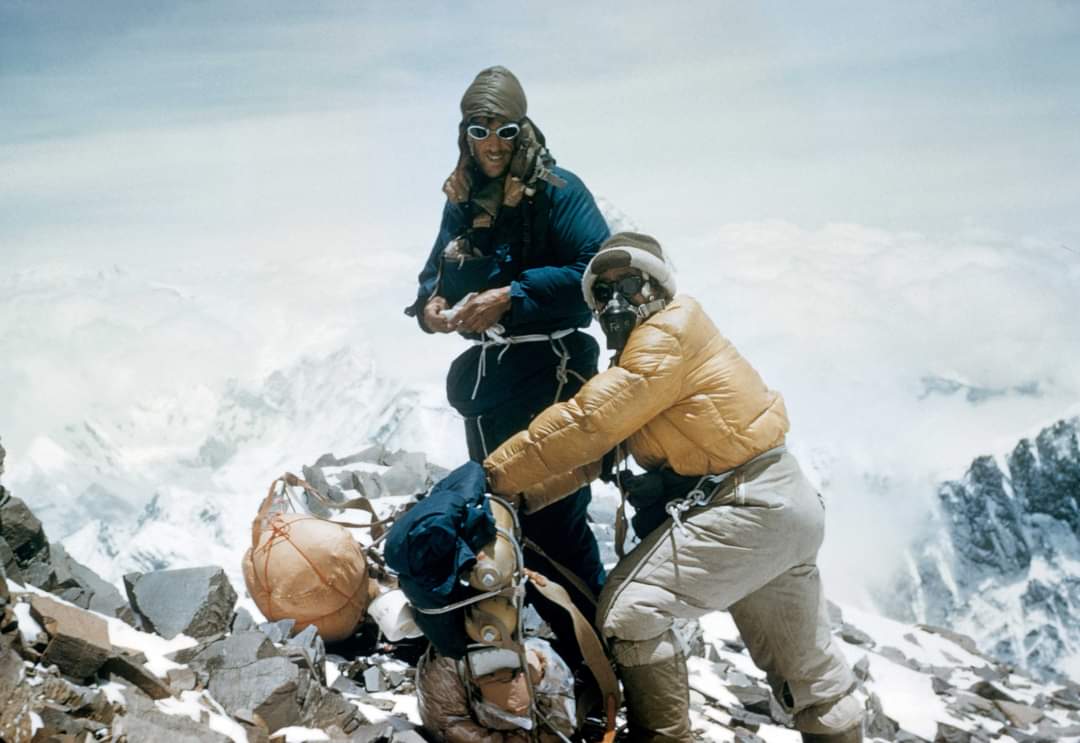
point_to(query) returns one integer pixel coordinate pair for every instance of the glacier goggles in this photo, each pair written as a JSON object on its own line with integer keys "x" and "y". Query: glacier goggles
{"x": 507, "y": 132}
{"x": 627, "y": 286}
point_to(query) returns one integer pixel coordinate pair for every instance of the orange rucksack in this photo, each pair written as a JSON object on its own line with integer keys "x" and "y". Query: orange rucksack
{"x": 305, "y": 568}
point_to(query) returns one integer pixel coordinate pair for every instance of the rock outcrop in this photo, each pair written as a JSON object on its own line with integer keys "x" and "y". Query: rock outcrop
{"x": 998, "y": 559}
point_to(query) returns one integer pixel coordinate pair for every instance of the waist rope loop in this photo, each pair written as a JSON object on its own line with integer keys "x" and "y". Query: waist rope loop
{"x": 702, "y": 493}
{"x": 496, "y": 336}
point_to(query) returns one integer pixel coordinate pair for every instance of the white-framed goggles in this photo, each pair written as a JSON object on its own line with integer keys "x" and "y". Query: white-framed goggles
{"x": 481, "y": 132}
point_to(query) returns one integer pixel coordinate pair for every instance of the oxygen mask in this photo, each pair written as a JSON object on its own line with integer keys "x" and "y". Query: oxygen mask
{"x": 617, "y": 319}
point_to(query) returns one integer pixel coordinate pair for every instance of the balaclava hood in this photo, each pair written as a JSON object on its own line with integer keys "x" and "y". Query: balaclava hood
{"x": 632, "y": 249}
{"x": 496, "y": 92}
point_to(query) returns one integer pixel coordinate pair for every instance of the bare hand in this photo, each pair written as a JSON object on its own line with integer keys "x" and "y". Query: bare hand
{"x": 482, "y": 311}
{"x": 434, "y": 318}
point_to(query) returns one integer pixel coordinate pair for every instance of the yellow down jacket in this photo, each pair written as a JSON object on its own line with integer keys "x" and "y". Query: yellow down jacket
{"x": 681, "y": 397}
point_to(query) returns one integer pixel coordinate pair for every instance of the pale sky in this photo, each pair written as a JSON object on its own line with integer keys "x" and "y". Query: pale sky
{"x": 863, "y": 194}
{"x": 143, "y": 132}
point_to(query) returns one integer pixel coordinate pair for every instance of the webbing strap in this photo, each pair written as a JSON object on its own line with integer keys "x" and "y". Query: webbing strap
{"x": 590, "y": 645}
{"x": 360, "y": 503}
{"x": 563, "y": 571}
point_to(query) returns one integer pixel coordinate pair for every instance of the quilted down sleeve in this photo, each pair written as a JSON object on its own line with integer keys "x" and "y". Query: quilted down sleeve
{"x": 552, "y": 293}
{"x": 562, "y": 447}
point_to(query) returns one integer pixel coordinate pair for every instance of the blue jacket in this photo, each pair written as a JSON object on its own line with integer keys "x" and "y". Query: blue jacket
{"x": 545, "y": 286}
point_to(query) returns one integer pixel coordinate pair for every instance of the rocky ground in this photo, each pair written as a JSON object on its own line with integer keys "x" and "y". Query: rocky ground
{"x": 177, "y": 658}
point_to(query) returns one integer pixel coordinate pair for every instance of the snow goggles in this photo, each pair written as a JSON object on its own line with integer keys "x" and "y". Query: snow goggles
{"x": 506, "y": 131}
{"x": 627, "y": 286}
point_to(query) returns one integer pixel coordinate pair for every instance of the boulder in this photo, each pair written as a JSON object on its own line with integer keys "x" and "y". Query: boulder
{"x": 197, "y": 602}
{"x": 407, "y": 475}
{"x": 278, "y": 631}
{"x": 269, "y": 688}
{"x": 145, "y": 722}
{"x": 83, "y": 587}
{"x": 1020, "y": 715}
{"x": 242, "y": 621}
{"x": 8, "y": 563}
{"x": 78, "y": 640}
{"x": 82, "y": 701}
{"x": 15, "y": 719}
{"x": 181, "y": 679}
{"x": 235, "y": 651}
{"x": 333, "y": 710}
{"x": 136, "y": 674}
{"x": 308, "y": 650}
{"x": 23, "y": 532}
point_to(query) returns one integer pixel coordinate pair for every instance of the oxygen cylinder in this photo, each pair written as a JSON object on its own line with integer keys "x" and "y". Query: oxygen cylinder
{"x": 496, "y": 569}
{"x": 479, "y": 624}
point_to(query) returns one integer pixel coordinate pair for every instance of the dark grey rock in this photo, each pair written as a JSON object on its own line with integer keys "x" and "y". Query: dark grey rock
{"x": 58, "y": 723}
{"x": 332, "y": 709}
{"x": 278, "y": 631}
{"x": 9, "y": 564}
{"x": 83, "y": 587}
{"x": 1067, "y": 697}
{"x": 750, "y": 720}
{"x": 373, "y": 679}
{"x": 1020, "y": 715}
{"x": 193, "y": 601}
{"x": 145, "y": 722}
{"x": 181, "y": 679}
{"x": 23, "y": 532}
{"x": 268, "y": 687}
{"x": 862, "y": 669}
{"x": 308, "y": 648}
{"x": 382, "y": 732}
{"x": 407, "y": 475}
{"x": 992, "y": 691}
{"x": 1046, "y": 475}
{"x": 742, "y": 735}
{"x": 136, "y": 674}
{"x": 243, "y": 621}
{"x": 40, "y": 573}
{"x": 375, "y": 454}
{"x": 940, "y": 685}
{"x": 949, "y": 734}
{"x": 83, "y": 701}
{"x": 985, "y": 522}
{"x": 856, "y": 636}
{"x": 327, "y": 460}
{"x": 235, "y": 651}
{"x": 878, "y": 724}
{"x": 184, "y": 655}
{"x": 346, "y": 685}
{"x": 368, "y": 484}
{"x": 752, "y": 698}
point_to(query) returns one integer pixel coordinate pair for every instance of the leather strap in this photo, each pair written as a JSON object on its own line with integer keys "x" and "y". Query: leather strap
{"x": 590, "y": 645}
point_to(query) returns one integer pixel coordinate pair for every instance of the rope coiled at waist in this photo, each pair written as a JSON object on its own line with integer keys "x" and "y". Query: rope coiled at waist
{"x": 495, "y": 336}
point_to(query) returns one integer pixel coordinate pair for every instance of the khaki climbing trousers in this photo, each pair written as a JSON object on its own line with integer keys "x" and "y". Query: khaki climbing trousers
{"x": 751, "y": 550}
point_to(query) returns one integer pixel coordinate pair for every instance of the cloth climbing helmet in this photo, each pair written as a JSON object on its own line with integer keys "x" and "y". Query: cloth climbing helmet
{"x": 494, "y": 93}
{"x": 634, "y": 250}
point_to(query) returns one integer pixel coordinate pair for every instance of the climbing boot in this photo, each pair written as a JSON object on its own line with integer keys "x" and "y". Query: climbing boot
{"x": 836, "y": 721}
{"x": 657, "y": 701}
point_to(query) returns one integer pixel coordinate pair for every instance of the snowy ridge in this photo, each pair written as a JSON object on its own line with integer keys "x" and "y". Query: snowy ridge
{"x": 999, "y": 559}
{"x": 136, "y": 493}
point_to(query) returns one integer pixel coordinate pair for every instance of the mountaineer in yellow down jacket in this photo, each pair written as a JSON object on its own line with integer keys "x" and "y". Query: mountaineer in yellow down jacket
{"x": 728, "y": 521}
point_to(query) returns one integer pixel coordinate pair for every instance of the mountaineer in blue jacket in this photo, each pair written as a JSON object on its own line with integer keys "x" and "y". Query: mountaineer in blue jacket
{"x": 505, "y": 272}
